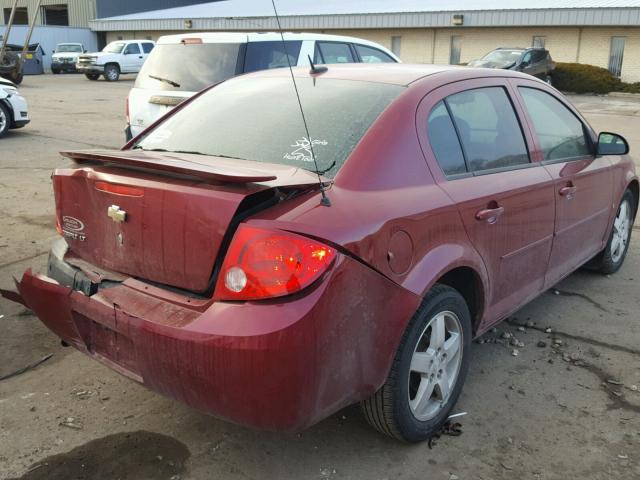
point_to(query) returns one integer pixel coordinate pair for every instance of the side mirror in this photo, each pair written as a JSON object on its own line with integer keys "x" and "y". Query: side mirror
{"x": 612, "y": 144}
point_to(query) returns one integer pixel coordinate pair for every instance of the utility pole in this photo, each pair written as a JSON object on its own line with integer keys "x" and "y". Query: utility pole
{"x": 28, "y": 37}
{"x": 6, "y": 33}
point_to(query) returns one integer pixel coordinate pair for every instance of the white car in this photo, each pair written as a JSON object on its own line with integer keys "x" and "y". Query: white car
{"x": 65, "y": 57}
{"x": 122, "y": 56}
{"x": 13, "y": 107}
{"x": 182, "y": 65}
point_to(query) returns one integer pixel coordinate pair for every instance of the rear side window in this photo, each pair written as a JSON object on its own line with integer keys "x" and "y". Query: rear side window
{"x": 560, "y": 133}
{"x": 444, "y": 141}
{"x": 266, "y": 55}
{"x": 147, "y": 47}
{"x": 488, "y": 129}
{"x": 132, "y": 48}
{"x": 333, "y": 52}
{"x": 372, "y": 55}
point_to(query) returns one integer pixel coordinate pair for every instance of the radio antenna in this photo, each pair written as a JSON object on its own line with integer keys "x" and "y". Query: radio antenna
{"x": 325, "y": 200}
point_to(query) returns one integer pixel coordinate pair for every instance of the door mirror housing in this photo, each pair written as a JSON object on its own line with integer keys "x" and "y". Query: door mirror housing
{"x": 612, "y": 144}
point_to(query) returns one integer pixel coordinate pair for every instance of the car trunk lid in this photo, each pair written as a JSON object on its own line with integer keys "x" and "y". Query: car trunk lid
{"x": 158, "y": 216}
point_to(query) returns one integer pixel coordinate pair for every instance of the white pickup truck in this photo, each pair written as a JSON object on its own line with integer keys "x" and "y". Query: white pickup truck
{"x": 122, "y": 56}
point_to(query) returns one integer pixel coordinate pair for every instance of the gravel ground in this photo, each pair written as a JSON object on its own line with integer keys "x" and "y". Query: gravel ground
{"x": 567, "y": 406}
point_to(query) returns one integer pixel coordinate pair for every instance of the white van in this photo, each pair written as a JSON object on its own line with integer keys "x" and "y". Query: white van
{"x": 182, "y": 65}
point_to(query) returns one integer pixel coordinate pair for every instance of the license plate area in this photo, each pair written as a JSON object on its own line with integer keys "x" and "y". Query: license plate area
{"x": 108, "y": 346}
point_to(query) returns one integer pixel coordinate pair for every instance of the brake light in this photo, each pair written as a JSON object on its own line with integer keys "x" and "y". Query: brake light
{"x": 119, "y": 189}
{"x": 126, "y": 110}
{"x": 191, "y": 41}
{"x": 266, "y": 264}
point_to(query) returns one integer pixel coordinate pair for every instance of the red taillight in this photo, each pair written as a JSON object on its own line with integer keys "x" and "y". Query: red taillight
{"x": 119, "y": 189}
{"x": 266, "y": 264}
{"x": 126, "y": 110}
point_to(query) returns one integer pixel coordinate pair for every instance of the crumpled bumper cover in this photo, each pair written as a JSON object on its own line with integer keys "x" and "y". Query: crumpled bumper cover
{"x": 280, "y": 365}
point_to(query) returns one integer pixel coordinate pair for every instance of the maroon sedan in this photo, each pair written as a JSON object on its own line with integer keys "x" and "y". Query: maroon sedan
{"x": 200, "y": 261}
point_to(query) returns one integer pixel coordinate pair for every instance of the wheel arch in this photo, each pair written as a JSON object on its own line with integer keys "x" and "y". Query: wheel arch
{"x": 466, "y": 281}
{"x": 634, "y": 186}
{"x": 459, "y": 267}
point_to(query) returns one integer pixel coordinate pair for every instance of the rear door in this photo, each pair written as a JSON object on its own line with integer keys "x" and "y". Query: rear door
{"x": 479, "y": 154}
{"x": 582, "y": 181}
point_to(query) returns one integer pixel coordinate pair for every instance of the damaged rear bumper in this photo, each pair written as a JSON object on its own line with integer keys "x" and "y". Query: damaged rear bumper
{"x": 279, "y": 365}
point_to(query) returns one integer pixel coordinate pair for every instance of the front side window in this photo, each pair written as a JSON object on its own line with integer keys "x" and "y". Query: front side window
{"x": 488, "y": 129}
{"x": 334, "y": 52}
{"x": 372, "y": 55}
{"x": 266, "y": 55}
{"x": 132, "y": 48}
{"x": 560, "y": 133}
{"x": 258, "y": 119}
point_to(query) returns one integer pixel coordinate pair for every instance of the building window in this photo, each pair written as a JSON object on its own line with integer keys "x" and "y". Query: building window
{"x": 454, "y": 52}
{"x": 538, "y": 42}
{"x": 616, "y": 53}
{"x": 21, "y": 17}
{"x": 55, "y": 15}
{"x": 396, "y": 45}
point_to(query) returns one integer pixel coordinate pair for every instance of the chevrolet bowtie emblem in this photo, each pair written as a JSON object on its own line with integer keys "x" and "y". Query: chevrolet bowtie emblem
{"x": 116, "y": 214}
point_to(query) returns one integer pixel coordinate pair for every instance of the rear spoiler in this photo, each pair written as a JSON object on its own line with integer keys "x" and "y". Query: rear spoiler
{"x": 209, "y": 168}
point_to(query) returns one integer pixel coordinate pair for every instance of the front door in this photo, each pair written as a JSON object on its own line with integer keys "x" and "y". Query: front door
{"x": 505, "y": 200}
{"x": 582, "y": 181}
{"x": 133, "y": 58}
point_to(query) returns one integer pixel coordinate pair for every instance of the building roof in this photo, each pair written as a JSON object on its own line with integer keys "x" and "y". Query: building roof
{"x": 313, "y": 14}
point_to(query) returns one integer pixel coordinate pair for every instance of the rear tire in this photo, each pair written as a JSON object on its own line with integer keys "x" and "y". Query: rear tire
{"x": 55, "y": 71}
{"x": 92, "y": 76}
{"x": 428, "y": 370}
{"x": 5, "y": 120}
{"x": 111, "y": 72}
{"x": 612, "y": 257}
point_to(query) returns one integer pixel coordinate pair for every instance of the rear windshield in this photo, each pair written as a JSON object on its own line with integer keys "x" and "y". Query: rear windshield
{"x": 188, "y": 67}
{"x": 259, "y": 119}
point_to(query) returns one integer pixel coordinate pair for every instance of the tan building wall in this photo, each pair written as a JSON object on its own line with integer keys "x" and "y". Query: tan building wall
{"x": 80, "y": 11}
{"x": 567, "y": 44}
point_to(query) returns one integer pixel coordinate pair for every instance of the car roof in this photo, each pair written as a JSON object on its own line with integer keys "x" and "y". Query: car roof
{"x": 401, "y": 74}
{"x": 241, "y": 37}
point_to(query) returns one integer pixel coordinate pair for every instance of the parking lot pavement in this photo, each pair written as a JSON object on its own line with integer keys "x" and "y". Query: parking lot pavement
{"x": 551, "y": 412}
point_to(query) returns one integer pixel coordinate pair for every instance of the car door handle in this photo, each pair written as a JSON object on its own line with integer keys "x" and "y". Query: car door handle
{"x": 568, "y": 192}
{"x": 489, "y": 215}
{"x": 140, "y": 56}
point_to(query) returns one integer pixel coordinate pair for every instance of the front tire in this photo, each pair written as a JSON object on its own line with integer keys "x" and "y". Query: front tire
{"x": 428, "y": 370}
{"x": 111, "y": 72}
{"x": 612, "y": 257}
{"x": 5, "y": 120}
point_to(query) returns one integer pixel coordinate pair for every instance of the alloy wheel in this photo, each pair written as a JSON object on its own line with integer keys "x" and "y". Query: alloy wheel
{"x": 435, "y": 365}
{"x": 621, "y": 230}
{"x": 3, "y": 120}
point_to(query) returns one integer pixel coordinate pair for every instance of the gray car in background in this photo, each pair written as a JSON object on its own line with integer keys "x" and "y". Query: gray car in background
{"x": 534, "y": 61}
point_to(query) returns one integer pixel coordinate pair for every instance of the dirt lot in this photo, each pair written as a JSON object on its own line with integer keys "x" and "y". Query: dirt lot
{"x": 535, "y": 415}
